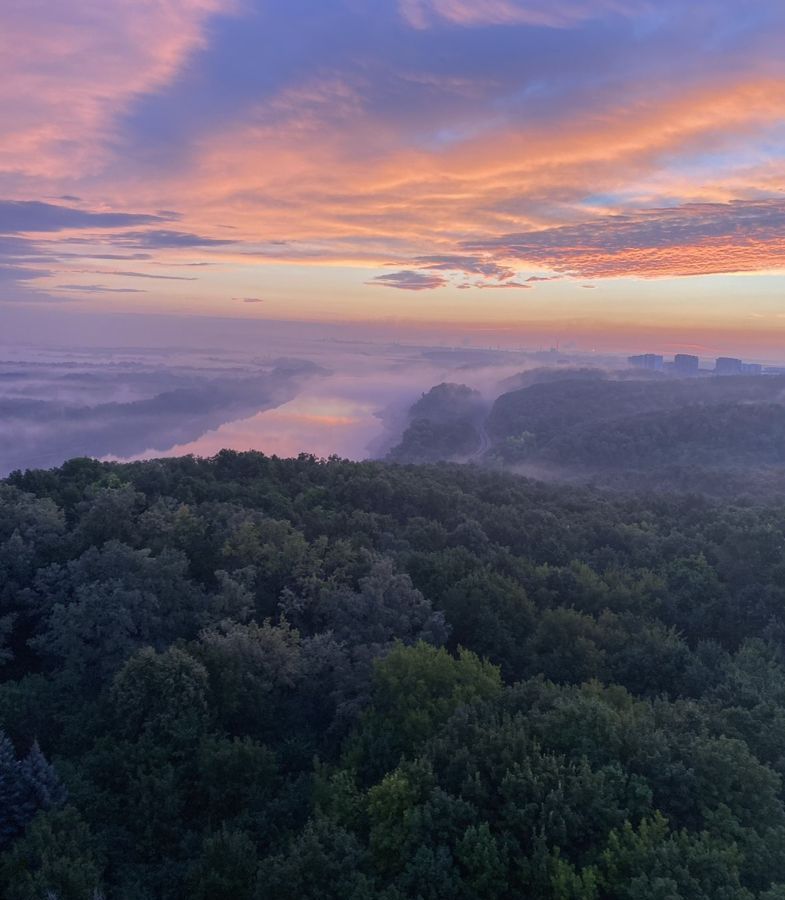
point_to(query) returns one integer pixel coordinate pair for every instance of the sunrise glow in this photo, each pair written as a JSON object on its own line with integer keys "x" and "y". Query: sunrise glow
{"x": 433, "y": 161}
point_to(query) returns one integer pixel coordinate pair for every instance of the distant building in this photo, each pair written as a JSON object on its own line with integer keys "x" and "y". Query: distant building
{"x": 647, "y": 361}
{"x": 751, "y": 369}
{"x": 684, "y": 364}
{"x": 727, "y": 365}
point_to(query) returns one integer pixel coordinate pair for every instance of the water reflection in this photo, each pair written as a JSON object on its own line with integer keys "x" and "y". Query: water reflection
{"x": 324, "y": 426}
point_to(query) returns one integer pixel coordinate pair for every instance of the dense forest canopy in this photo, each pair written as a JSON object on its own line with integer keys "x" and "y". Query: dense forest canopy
{"x": 621, "y": 429}
{"x": 249, "y": 677}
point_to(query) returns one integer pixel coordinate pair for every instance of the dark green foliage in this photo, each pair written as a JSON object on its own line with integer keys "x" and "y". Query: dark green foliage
{"x": 547, "y": 408}
{"x": 722, "y": 436}
{"x": 26, "y": 786}
{"x": 415, "y": 690}
{"x": 425, "y": 441}
{"x": 267, "y": 679}
{"x": 56, "y": 858}
{"x": 162, "y": 696}
{"x": 448, "y": 402}
{"x": 324, "y": 862}
{"x": 443, "y": 424}
{"x": 42, "y": 782}
{"x": 14, "y": 808}
{"x": 226, "y": 868}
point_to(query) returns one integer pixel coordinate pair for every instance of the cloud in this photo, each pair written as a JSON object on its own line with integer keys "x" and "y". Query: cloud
{"x": 22, "y": 262}
{"x": 441, "y": 138}
{"x": 493, "y": 274}
{"x": 31, "y": 215}
{"x": 69, "y": 71}
{"x": 469, "y": 265}
{"x": 148, "y": 275}
{"x": 692, "y": 239}
{"x": 515, "y": 285}
{"x": 162, "y": 239}
{"x": 97, "y": 289}
{"x": 118, "y": 256}
{"x": 25, "y": 259}
{"x": 9, "y": 273}
{"x": 249, "y": 299}
{"x": 370, "y": 192}
{"x": 471, "y": 13}
{"x": 409, "y": 280}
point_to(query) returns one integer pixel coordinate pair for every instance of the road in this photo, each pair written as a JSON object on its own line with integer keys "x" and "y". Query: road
{"x": 485, "y": 444}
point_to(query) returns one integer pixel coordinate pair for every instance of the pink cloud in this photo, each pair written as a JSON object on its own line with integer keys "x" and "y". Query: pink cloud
{"x": 366, "y": 160}
{"x": 68, "y": 70}
{"x": 691, "y": 239}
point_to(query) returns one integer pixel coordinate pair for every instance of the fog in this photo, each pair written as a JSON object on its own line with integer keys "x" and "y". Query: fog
{"x": 281, "y": 389}
{"x": 54, "y": 408}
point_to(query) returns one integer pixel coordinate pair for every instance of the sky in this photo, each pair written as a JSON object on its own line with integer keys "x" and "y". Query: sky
{"x": 605, "y": 172}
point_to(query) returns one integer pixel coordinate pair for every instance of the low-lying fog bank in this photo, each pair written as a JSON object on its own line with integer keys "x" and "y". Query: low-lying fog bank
{"x": 281, "y": 390}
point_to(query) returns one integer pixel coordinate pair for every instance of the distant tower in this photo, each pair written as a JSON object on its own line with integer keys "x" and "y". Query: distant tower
{"x": 685, "y": 364}
{"x": 647, "y": 361}
{"x": 728, "y": 365}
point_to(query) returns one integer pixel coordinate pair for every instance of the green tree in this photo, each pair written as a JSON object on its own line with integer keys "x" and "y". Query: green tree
{"x": 55, "y": 858}
{"x": 226, "y": 868}
{"x": 162, "y": 696}
{"x": 415, "y": 691}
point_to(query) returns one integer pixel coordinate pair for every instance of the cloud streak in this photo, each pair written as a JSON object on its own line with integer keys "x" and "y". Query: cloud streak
{"x": 168, "y": 240}
{"x": 421, "y": 14}
{"x": 30, "y": 215}
{"x": 97, "y": 289}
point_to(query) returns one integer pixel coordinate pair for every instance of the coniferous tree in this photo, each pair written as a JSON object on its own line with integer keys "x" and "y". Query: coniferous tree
{"x": 26, "y": 786}
{"x": 41, "y": 780}
{"x": 13, "y": 806}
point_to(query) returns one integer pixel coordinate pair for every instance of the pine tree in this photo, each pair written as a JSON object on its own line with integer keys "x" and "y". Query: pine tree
{"x": 42, "y": 781}
{"x": 12, "y": 793}
{"x": 26, "y": 787}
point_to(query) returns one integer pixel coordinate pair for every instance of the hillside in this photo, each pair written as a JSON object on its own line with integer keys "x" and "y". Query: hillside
{"x": 546, "y": 409}
{"x": 444, "y": 424}
{"x": 723, "y": 436}
{"x": 254, "y": 678}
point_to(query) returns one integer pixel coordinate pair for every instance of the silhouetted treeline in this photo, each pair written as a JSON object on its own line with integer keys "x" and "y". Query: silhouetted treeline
{"x": 254, "y": 678}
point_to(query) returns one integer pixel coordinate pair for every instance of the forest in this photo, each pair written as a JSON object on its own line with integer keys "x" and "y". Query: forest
{"x": 627, "y": 429}
{"x": 252, "y": 678}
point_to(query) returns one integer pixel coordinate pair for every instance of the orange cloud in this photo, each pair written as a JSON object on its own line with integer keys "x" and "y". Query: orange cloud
{"x": 694, "y": 239}
{"x": 313, "y": 187}
{"x": 317, "y": 174}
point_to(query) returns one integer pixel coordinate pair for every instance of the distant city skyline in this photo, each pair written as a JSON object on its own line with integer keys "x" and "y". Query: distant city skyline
{"x": 690, "y": 364}
{"x": 36, "y": 325}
